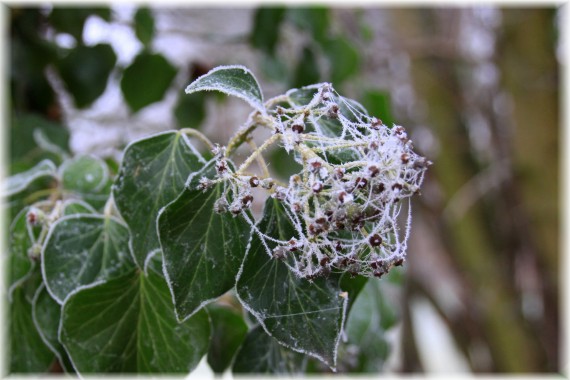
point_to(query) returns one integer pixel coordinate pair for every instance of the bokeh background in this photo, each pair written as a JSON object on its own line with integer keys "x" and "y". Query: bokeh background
{"x": 477, "y": 87}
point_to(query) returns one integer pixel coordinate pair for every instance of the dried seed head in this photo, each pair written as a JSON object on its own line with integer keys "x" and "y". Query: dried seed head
{"x": 397, "y": 187}
{"x": 344, "y": 197}
{"x": 235, "y": 209}
{"x": 378, "y": 273}
{"x": 247, "y": 200}
{"x": 405, "y": 158}
{"x": 375, "y": 124}
{"x": 360, "y": 182}
{"x": 338, "y": 173}
{"x": 204, "y": 184}
{"x": 338, "y": 245}
{"x": 221, "y": 205}
{"x": 221, "y": 166}
{"x": 32, "y": 217}
{"x": 280, "y": 193}
{"x": 315, "y": 165}
{"x": 295, "y": 179}
{"x": 218, "y": 150}
{"x": 292, "y": 245}
{"x": 315, "y": 229}
{"x": 254, "y": 181}
{"x": 332, "y": 112}
{"x": 421, "y": 163}
{"x": 321, "y": 220}
{"x": 373, "y": 170}
{"x": 324, "y": 261}
{"x": 375, "y": 240}
{"x": 297, "y": 208}
{"x": 317, "y": 187}
{"x": 373, "y": 146}
{"x": 279, "y": 252}
{"x": 298, "y": 128}
{"x": 378, "y": 188}
{"x": 267, "y": 183}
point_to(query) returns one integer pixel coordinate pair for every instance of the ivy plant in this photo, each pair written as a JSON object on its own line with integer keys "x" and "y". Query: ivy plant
{"x": 150, "y": 269}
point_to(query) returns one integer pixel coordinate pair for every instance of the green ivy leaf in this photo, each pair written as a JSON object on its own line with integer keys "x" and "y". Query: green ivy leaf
{"x": 71, "y": 20}
{"x": 231, "y": 80}
{"x": 83, "y": 249}
{"x": 315, "y": 19}
{"x": 228, "y": 332}
{"x": 87, "y": 178}
{"x": 21, "y": 181}
{"x": 28, "y": 352}
{"x": 127, "y": 325}
{"x": 152, "y": 174}
{"x": 144, "y": 25}
{"x": 46, "y": 313}
{"x": 25, "y": 149}
{"x": 352, "y": 285}
{"x": 302, "y": 315}
{"x": 275, "y": 69}
{"x": 370, "y": 317}
{"x": 378, "y": 103}
{"x": 75, "y": 206}
{"x": 84, "y": 174}
{"x": 344, "y": 58}
{"x": 190, "y": 111}
{"x": 265, "y": 32}
{"x": 85, "y": 71}
{"x": 307, "y": 69}
{"x": 146, "y": 80}
{"x": 202, "y": 249}
{"x": 20, "y": 264}
{"x": 43, "y": 142}
{"x": 41, "y": 189}
{"x": 260, "y": 353}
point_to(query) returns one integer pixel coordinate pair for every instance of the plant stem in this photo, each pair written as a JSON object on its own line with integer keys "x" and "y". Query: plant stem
{"x": 260, "y": 159}
{"x": 40, "y": 193}
{"x": 341, "y": 146}
{"x": 109, "y": 205}
{"x": 275, "y": 100}
{"x": 242, "y": 134}
{"x": 257, "y": 152}
{"x": 199, "y": 135}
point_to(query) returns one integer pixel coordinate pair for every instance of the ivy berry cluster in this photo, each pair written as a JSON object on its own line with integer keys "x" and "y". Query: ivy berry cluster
{"x": 357, "y": 176}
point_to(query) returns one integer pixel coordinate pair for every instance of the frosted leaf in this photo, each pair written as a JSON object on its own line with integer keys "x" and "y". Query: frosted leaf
{"x": 153, "y": 173}
{"x": 127, "y": 325}
{"x": 82, "y": 249}
{"x": 21, "y": 181}
{"x": 232, "y": 80}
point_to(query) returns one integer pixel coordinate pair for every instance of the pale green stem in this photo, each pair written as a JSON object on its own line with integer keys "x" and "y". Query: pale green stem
{"x": 308, "y": 153}
{"x": 334, "y": 147}
{"x": 257, "y": 152}
{"x": 199, "y": 135}
{"x": 260, "y": 159}
{"x": 239, "y": 138}
{"x": 109, "y": 205}
{"x": 275, "y": 100}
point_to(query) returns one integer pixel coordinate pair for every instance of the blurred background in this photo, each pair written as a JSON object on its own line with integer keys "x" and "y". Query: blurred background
{"x": 477, "y": 88}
